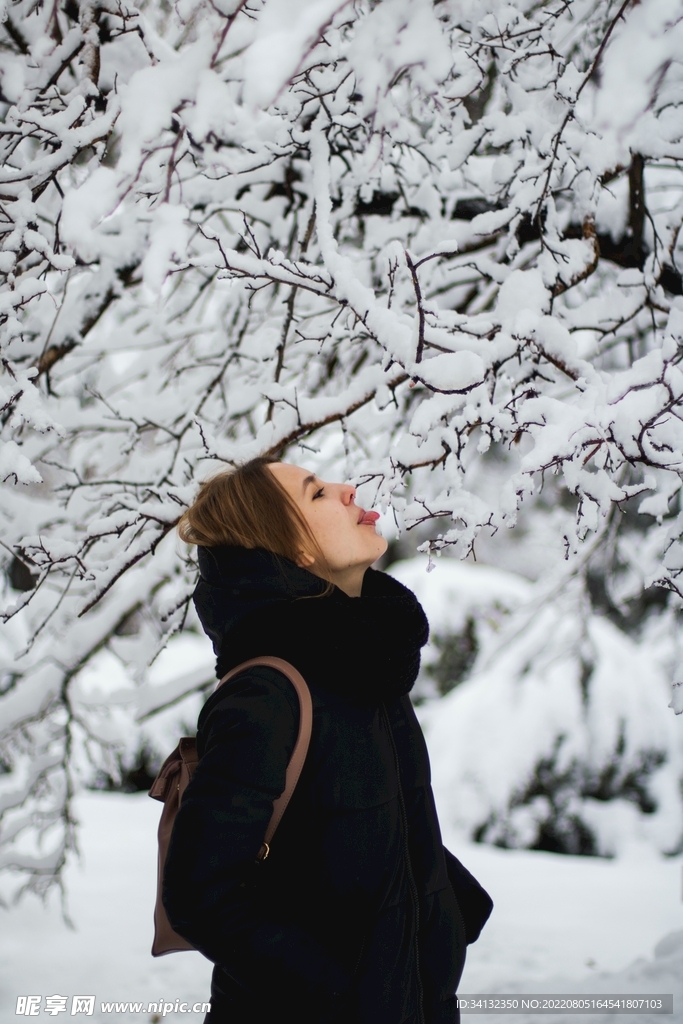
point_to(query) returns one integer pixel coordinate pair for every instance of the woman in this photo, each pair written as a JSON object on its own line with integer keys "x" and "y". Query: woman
{"x": 352, "y": 918}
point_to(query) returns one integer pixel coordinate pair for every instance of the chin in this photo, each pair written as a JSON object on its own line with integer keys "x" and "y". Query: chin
{"x": 381, "y": 547}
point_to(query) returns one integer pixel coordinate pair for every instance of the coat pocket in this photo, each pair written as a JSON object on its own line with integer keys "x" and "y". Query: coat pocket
{"x": 474, "y": 901}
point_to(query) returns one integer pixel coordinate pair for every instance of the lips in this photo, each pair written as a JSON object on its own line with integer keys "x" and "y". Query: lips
{"x": 367, "y": 518}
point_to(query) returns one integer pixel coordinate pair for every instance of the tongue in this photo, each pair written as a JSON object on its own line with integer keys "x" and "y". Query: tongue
{"x": 370, "y": 517}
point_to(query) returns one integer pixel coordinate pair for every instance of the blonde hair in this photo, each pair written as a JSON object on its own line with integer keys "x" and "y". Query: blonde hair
{"x": 248, "y": 507}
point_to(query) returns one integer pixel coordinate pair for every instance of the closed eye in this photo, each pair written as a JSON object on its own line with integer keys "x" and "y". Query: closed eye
{"x": 319, "y": 493}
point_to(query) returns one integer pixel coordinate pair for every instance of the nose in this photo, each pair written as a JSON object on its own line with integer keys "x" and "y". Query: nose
{"x": 348, "y": 493}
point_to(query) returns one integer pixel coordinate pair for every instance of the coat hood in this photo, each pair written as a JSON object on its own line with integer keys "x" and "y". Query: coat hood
{"x": 235, "y": 583}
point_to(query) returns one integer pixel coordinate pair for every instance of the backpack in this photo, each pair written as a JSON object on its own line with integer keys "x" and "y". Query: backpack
{"x": 176, "y": 772}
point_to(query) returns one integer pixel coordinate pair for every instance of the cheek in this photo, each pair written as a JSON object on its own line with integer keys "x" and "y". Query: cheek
{"x": 325, "y": 523}
{"x": 336, "y": 534}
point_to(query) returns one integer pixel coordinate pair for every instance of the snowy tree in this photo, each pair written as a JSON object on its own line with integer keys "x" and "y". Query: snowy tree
{"x": 429, "y": 246}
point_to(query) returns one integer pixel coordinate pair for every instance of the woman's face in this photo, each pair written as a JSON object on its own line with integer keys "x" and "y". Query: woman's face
{"x": 345, "y": 531}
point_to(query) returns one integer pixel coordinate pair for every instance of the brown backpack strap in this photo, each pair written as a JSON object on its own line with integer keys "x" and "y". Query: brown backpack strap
{"x": 296, "y": 761}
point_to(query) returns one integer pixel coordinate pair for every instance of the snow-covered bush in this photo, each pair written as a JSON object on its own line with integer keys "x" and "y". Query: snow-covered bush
{"x": 432, "y": 246}
{"x": 560, "y": 738}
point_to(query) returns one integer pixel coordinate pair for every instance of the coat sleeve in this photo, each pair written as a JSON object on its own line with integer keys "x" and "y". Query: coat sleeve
{"x": 247, "y": 740}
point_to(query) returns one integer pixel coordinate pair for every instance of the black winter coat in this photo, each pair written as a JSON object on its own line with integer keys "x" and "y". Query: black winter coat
{"x": 351, "y": 919}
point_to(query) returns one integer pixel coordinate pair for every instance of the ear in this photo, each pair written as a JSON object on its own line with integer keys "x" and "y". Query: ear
{"x": 305, "y": 559}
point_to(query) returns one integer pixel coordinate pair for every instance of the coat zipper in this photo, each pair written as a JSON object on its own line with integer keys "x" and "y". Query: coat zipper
{"x": 409, "y": 870}
{"x": 360, "y": 954}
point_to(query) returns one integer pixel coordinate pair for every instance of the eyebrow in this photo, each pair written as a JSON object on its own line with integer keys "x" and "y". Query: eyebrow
{"x": 308, "y": 480}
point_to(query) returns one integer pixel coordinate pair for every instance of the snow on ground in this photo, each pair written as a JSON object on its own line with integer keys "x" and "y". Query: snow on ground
{"x": 583, "y": 920}
{"x": 110, "y": 898}
{"x": 570, "y": 915}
